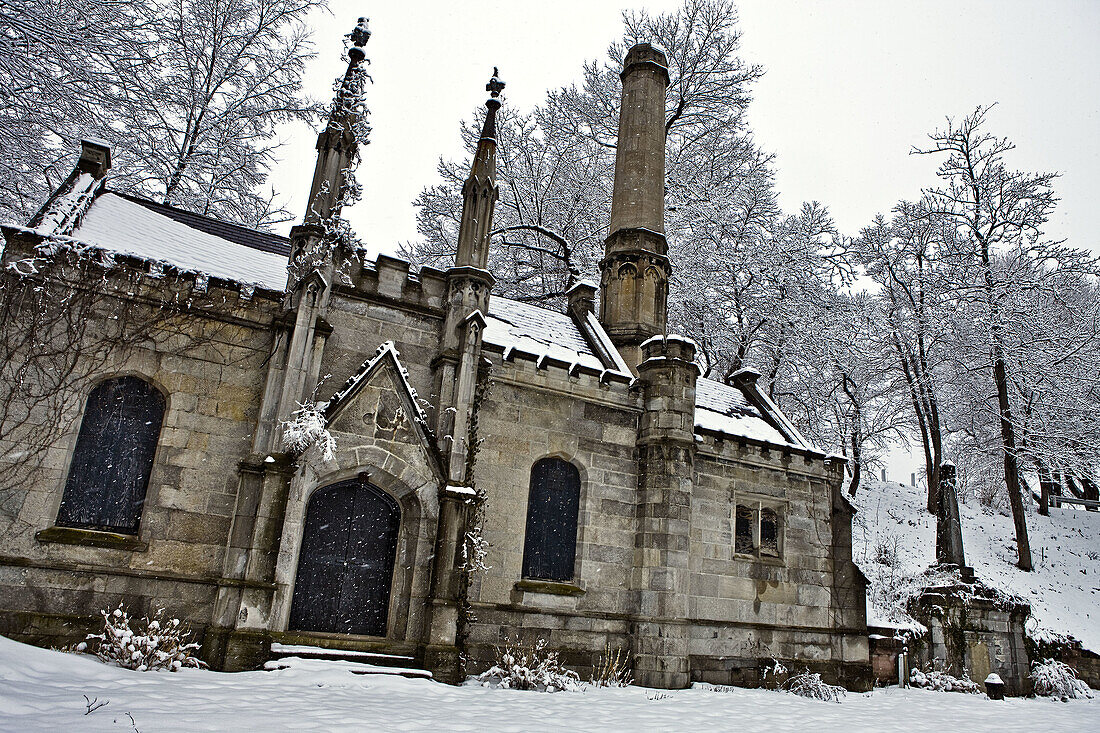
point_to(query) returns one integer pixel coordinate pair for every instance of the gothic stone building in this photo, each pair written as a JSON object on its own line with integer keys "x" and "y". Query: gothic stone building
{"x": 625, "y": 501}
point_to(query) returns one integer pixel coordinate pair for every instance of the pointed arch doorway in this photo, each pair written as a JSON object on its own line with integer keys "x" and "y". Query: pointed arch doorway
{"x": 345, "y": 566}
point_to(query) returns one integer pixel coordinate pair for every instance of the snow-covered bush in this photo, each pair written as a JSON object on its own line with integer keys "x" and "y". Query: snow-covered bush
{"x": 809, "y": 684}
{"x": 613, "y": 669}
{"x": 940, "y": 681}
{"x": 306, "y": 427}
{"x": 529, "y": 669}
{"x": 1057, "y": 679}
{"x": 886, "y": 550}
{"x": 157, "y": 643}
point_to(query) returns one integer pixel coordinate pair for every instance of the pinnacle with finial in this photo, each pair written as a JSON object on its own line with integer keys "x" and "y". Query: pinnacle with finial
{"x": 495, "y": 85}
{"x": 361, "y": 34}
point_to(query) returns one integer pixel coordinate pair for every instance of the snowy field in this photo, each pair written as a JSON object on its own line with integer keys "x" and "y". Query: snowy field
{"x": 44, "y": 691}
{"x": 1063, "y": 590}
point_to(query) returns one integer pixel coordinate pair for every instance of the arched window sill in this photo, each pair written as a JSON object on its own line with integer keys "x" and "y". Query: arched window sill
{"x": 550, "y": 587}
{"x": 91, "y": 538}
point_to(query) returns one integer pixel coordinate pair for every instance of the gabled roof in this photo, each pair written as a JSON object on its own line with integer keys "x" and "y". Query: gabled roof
{"x": 535, "y": 331}
{"x": 387, "y": 354}
{"x": 387, "y": 358}
{"x": 725, "y": 409}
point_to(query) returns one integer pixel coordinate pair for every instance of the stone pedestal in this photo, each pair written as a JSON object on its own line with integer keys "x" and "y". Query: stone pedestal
{"x": 971, "y": 630}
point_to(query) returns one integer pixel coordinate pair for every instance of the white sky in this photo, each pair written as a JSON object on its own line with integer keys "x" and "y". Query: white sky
{"x": 851, "y": 86}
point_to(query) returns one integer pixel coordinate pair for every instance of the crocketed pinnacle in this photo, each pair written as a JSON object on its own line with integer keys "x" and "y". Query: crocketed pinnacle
{"x": 484, "y": 166}
{"x": 338, "y": 144}
{"x": 479, "y": 193}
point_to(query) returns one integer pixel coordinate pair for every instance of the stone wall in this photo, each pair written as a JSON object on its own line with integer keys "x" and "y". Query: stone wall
{"x": 972, "y": 634}
{"x": 742, "y": 611}
{"x": 208, "y": 361}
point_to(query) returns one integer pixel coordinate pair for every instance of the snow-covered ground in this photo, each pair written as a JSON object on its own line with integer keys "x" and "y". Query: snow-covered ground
{"x": 1063, "y": 590}
{"x": 44, "y": 690}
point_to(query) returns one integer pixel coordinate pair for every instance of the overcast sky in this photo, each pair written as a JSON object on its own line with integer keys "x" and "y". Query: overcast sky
{"x": 851, "y": 86}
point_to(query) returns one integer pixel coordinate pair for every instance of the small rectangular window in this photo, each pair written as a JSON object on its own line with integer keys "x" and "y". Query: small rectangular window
{"x": 757, "y": 530}
{"x": 769, "y": 533}
{"x": 743, "y": 531}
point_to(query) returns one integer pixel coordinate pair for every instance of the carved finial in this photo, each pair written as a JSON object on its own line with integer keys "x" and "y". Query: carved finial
{"x": 495, "y": 85}
{"x": 361, "y": 34}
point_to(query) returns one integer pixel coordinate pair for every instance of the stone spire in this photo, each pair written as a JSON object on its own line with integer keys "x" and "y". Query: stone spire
{"x": 479, "y": 193}
{"x": 338, "y": 144}
{"x": 635, "y": 269}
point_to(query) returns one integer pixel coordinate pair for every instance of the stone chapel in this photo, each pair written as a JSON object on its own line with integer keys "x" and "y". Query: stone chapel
{"x": 623, "y": 502}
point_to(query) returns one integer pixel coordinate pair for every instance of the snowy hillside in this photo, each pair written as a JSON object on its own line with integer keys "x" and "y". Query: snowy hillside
{"x": 45, "y": 691}
{"x": 895, "y": 540}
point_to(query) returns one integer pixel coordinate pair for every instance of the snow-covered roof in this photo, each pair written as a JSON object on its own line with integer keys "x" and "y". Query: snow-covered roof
{"x": 725, "y": 409}
{"x": 537, "y": 331}
{"x": 126, "y": 225}
{"x": 148, "y": 230}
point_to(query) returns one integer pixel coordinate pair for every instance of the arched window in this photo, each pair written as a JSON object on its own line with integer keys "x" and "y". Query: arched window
{"x": 113, "y": 457}
{"x": 550, "y": 545}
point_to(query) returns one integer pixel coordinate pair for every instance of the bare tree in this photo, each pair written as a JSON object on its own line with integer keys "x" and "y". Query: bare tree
{"x": 991, "y": 207}
{"x": 556, "y": 163}
{"x": 59, "y": 60}
{"x": 839, "y": 388}
{"x": 188, "y": 92}
{"x": 902, "y": 256}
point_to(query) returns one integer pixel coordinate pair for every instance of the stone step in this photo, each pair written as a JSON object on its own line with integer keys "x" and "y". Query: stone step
{"x": 363, "y": 662}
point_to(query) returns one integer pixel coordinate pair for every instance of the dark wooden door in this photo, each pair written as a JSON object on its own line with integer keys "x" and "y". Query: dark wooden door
{"x": 346, "y": 562}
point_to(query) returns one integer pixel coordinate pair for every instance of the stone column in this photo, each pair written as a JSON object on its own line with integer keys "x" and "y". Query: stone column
{"x": 666, "y": 447}
{"x": 949, "y": 541}
{"x": 635, "y": 269}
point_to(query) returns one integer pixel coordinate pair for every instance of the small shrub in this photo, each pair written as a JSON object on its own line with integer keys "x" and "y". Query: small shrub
{"x": 811, "y": 685}
{"x": 886, "y": 551}
{"x": 613, "y": 670}
{"x": 776, "y": 675}
{"x": 156, "y": 644}
{"x": 1057, "y": 679}
{"x": 939, "y": 681}
{"x": 529, "y": 669}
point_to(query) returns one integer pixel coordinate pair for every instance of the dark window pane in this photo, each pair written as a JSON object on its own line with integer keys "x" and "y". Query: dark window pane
{"x": 550, "y": 545}
{"x": 345, "y": 567}
{"x": 769, "y": 533}
{"x": 742, "y": 531}
{"x": 113, "y": 457}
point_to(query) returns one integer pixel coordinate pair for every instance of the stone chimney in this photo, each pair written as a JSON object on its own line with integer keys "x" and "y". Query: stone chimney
{"x": 635, "y": 269}
{"x": 95, "y": 158}
{"x": 581, "y": 299}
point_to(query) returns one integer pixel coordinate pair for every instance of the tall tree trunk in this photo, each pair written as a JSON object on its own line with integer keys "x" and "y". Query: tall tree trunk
{"x": 857, "y": 431}
{"x": 1008, "y": 434}
{"x": 930, "y": 438}
{"x": 1045, "y": 484}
